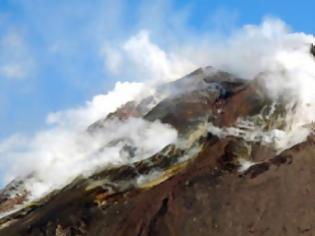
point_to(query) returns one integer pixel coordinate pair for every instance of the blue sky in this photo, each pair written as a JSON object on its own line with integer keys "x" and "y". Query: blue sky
{"x": 50, "y": 51}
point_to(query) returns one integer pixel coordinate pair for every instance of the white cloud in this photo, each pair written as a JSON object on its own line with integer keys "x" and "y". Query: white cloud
{"x": 16, "y": 61}
{"x": 13, "y": 71}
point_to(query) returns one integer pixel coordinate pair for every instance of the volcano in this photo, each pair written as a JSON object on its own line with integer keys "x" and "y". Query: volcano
{"x": 237, "y": 168}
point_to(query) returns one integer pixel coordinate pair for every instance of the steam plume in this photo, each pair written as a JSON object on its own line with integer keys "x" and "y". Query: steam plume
{"x": 64, "y": 149}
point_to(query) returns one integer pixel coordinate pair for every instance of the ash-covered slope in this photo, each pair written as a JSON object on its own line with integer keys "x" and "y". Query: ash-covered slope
{"x": 233, "y": 171}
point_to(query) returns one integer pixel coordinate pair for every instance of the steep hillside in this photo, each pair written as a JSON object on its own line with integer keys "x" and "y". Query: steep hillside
{"x": 233, "y": 171}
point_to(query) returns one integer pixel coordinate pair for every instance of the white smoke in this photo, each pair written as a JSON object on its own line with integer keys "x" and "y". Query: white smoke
{"x": 52, "y": 158}
{"x": 273, "y": 49}
{"x": 146, "y": 59}
{"x": 99, "y": 106}
{"x": 55, "y": 156}
{"x": 270, "y": 50}
{"x": 282, "y": 61}
{"x": 278, "y": 139}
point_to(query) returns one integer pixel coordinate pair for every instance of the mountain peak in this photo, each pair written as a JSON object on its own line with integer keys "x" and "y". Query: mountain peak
{"x": 234, "y": 145}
